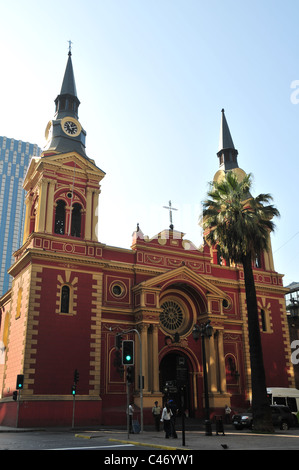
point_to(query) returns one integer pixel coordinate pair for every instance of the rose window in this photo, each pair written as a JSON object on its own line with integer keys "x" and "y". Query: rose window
{"x": 172, "y": 316}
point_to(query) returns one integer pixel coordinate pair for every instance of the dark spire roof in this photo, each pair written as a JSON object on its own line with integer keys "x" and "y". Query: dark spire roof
{"x": 225, "y": 138}
{"x": 68, "y": 85}
{"x": 227, "y": 153}
{"x": 67, "y": 102}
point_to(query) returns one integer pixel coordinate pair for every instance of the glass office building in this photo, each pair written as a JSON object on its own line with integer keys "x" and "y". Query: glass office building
{"x": 15, "y": 156}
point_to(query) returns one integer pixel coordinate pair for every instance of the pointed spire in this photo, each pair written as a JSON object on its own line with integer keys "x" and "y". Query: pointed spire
{"x": 67, "y": 102}
{"x": 227, "y": 153}
{"x": 68, "y": 85}
{"x": 225, "y": 138}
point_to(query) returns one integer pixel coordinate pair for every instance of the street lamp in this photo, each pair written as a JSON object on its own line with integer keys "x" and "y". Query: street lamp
{"x": 204, "y": 330}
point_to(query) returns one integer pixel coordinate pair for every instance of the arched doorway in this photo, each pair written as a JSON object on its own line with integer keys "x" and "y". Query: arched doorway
{"x": 175, "y": 380}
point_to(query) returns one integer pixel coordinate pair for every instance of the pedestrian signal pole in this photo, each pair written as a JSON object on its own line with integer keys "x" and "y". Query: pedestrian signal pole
{"x": 131, "y": 351}
{"x": 128, "y": 404}
{"x": 74, "y": 390}
{"x": 16, "y": 394}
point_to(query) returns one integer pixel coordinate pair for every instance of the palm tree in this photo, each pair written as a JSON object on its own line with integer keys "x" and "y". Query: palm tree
{"x": 240, "y": 225}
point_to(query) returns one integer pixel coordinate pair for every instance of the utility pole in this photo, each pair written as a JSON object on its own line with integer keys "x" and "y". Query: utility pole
{"x": 19, "y": 386}
{"x": 74, "y": 390}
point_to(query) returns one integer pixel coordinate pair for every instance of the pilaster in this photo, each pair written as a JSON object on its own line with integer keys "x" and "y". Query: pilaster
{"x": 42, "y": 206}
{"x": 50, "y": 206}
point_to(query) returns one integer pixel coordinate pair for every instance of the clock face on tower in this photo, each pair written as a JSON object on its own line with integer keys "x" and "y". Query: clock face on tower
{"x": 70, "y": 126}
{"x": 49, "y": 131}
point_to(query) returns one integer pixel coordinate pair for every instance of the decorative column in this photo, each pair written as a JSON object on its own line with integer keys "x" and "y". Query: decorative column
{"x": 88, "y": 214}
{"x": 268, "y": 256}
{"x": 28, "y": 203}
{"x": 222, "y": 373}
{"x": 155, "y": 359}
{"x": 95, "y": 201}
{"x": 211, "y": 362}
{"x": 144, "y": 330}
{"x": 50, "y": 206}
{"x": 195, "y": 388}
{"x": 42, "y": 205}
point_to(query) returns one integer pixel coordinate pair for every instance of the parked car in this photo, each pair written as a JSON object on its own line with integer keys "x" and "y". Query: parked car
{"x": 281, "y": 416}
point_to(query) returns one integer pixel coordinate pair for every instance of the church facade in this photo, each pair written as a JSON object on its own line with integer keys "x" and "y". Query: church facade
{"x": 71, "y": 295}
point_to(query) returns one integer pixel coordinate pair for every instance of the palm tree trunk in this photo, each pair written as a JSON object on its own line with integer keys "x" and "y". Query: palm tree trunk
{"x": 262, "y": 419}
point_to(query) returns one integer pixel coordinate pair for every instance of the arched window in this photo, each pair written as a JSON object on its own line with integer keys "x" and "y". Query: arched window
{"x": 219, "y": 257}
{"x": 65, "y": 299}
{"x": 76, "y": 221}
{"x": 60, "y": 217}
{"x": 264, "y": 320}
{"x": 258, "y": 262}
{"x": 62, "y": 104}
{"x": 231, "y": 370}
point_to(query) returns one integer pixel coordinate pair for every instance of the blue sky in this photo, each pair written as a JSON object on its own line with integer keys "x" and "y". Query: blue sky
{"x": 152, "y": 78}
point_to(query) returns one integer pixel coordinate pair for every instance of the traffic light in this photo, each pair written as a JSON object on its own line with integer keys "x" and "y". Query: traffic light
{"x": 130, "y": 374}
{"x": 74, "y": 390}
{"x": 76, "y": 376}
{"x": 15, "y": 396}
{"x": 128, "y": 353}
{"x": 118, "y": 341}
{"x": 20, "y": 381}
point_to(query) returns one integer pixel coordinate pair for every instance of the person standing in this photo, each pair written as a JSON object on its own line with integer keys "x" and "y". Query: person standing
{"x": 156, "y": 410}
{"x": 131, "y": 411}
{"x": 173, "y": 409}
{"x": 165, "y": 418}
{"x": 227, "y": 412}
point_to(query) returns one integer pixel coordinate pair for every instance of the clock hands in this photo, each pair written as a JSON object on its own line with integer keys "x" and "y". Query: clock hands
{"x": 70, "y": 127}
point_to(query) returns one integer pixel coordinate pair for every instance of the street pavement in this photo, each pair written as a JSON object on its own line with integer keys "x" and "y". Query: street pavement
{"x": 192, "y": 439}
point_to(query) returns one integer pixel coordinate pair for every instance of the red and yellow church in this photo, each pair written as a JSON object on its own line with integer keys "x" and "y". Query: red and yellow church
{"x": 71, "y": 295}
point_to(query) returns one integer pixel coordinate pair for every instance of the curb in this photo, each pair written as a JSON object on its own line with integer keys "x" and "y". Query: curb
{"x": 138, "y": 443}
{"x": 146, "y": 444}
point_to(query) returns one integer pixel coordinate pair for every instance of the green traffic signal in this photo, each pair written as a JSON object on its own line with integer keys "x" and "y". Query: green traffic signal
{"x": 20, "y": 381}
{"x": 128, "y": 352}
{"x": 128, "y": 357}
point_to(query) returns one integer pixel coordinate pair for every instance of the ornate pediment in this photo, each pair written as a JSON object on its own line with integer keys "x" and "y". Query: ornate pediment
{"x": 51, "y": 165}
{"x": 182, "y": 275}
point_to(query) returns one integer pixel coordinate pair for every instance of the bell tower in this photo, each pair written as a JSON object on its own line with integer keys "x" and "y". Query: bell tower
{"x": 65, "y": 131}
{"x": 228, "y": 161}
{"x": 227, "y": 153}
{"x": 63, "y": 184}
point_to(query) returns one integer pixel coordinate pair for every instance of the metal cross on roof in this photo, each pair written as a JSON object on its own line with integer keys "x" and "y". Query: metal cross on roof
{"x": 170, "y": 208}
{"x": 70, "y": 47}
